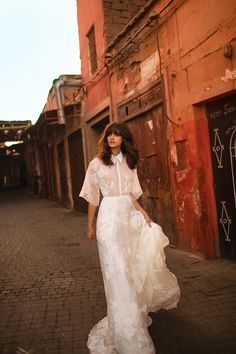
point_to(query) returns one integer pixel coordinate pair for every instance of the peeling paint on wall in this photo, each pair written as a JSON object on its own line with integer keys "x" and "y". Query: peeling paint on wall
{"x": 149, "y": 66}
{"x": 194, "y": 197}
{"x": 229, "y": 75}
{"x": 196, "y": 201}
{"x": 181, "y": 207}
{"x": 173, "y": 155}
{"x": 150, "y": 124}
{"x": 181, "y": 175}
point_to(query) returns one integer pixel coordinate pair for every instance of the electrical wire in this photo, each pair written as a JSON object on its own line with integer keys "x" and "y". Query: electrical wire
{"x": 136, "y": 34}
{"x": 160, "y": 68}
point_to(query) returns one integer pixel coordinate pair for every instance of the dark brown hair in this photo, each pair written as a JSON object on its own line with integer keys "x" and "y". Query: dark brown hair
{"x": 128, "y": 146}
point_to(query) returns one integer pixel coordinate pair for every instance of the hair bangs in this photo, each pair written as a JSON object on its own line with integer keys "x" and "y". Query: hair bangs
{"x": 113, "y": 129}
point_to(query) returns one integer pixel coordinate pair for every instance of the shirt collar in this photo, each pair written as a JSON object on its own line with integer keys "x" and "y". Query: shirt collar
{"x": 117, "y": 158}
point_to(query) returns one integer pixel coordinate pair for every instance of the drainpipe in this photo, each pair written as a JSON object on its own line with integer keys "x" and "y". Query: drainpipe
{"x": 58, "y": 85}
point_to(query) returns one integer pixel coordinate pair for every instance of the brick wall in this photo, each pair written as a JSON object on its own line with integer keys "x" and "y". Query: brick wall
{"x": 118, "y": 13}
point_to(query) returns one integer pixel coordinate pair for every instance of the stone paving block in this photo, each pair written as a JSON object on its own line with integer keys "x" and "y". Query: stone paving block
{"x": 51, "y": 289}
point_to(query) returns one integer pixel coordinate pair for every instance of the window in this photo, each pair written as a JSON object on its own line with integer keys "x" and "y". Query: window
{"x": 92, "y": 50}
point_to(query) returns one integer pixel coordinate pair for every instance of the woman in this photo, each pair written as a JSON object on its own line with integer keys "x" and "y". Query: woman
{"x": 131, "y": 248}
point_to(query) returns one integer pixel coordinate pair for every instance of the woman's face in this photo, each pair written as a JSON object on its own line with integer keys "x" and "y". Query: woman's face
{"x": 114, "y": 140}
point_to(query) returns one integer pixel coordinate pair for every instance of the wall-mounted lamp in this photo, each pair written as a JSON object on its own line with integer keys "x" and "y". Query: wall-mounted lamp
{"x": 227, "y": 50}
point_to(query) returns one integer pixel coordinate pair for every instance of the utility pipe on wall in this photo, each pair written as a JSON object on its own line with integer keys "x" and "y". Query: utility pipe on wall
{"x": 58, "y": 85}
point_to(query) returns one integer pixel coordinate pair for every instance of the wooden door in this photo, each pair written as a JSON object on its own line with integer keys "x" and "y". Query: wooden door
{"x": 63, "y": 176}
{"x": 77, "y": 169}
{"x": 52, "y": 172}
{"x": 150, "y": 134}
{"x": 45, "y": 186}
{"x": 222, "y": 130}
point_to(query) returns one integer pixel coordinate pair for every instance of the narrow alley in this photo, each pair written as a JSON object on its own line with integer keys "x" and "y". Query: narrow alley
{"x": 52, "y": 291}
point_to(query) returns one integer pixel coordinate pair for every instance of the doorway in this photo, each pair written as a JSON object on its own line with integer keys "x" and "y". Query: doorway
{"x": 63, "y": 176}
{"x": 222, "y": 131}
{"x": 77, "y": 169}
{"x": 150, "y": 135}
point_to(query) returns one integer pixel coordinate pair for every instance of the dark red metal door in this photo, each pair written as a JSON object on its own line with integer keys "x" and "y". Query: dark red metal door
{"x": 77, "y": 169}
{"x": 222, "y": 129}
{"x": 63, "y": 176}
{"x": 52, "y": 172}
{"x": 45, "y": 179}
{"x": 150, "y": 134}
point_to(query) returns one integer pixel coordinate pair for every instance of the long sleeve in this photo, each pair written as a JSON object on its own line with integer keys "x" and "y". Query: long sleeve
{"x": 90, "y": 190}
{"x": 136, "y": 188}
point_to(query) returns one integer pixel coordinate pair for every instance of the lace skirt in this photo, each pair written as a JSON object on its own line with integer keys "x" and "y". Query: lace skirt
{"x": 135, "y": 276}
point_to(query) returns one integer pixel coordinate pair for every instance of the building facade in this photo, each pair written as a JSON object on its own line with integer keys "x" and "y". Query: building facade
{"x": 54, "y": 146}
{"x": 168, "y": 70}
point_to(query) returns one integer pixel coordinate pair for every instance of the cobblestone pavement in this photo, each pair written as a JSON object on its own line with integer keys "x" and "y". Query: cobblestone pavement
{"x": 51, "y": 290}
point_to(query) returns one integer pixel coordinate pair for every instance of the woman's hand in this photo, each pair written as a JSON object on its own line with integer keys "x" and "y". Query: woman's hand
{"x": 147, "y": 218}
{"x": 90, "y": 229}
{"x": 145, "y": 214}
{"x": 91, "y": 233}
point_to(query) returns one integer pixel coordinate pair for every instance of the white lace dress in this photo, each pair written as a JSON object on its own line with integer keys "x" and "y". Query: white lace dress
{"x": 132, "y": 258}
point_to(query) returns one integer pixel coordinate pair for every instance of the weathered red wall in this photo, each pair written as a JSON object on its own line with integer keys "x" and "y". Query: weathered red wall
{"x": 89, "y": 14}
{"x": 195, "y": 70}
